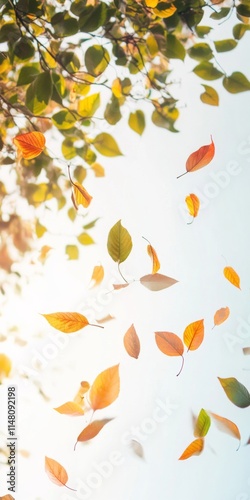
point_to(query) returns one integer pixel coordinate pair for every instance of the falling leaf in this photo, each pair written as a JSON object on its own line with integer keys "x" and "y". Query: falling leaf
{"x": 202, "y": 424}
{"x": 153, "y": 255}
{"x": 246, "y": 350}
{"x": 131, "y": 342}
{"x": 98, "y": 169}
{"x": 44, "y": 253}
{"x": 119, "y": 243}
{"x": 221, "y": 315}
{"x": 72, "y": 251}
{"x": 120, "y": 285}
{"x": 193, "y": 335}
{"x": 92, "y": 430}
{"x": 156, "y": 282}
{"x": 5, "y": 366}
{"x": 235, "y": 391}
{"x": 97, "y": 275}
{"x": 195, "y": 448}
{"x": 200, "y": 158}
{"x": 56, "y": 472}
{"x": 193, "y": 205}
{"x": 137, "y": 448}
{"x": 170, "y": 344}
{"x": 81, "y": 195}
{"x": 105, "y": 319}
{"x": 67, "y": 322}
{"x": 231, "y": 275}
{"x": 79, "y": 397}
{"x": 70, "y": 408}
{"x": 30, "y": 145}
{"x": 7, "y": 497}
{"x": 105, "y": 388}
{"x": 226, "y": 425}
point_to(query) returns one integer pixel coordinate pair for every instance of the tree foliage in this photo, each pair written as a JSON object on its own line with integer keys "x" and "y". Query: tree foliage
{"x": 68, "y": 66}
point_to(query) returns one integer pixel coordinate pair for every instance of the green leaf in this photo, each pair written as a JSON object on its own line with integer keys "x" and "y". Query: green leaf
{"x": 59, "y": 84}
{"x": 112, "y": 112}
{"x": 202, "y": 424}
{"x": 236, "y": 83}
{"x": 136, "y": 121}
{"x": 72, "y": 251}
{"x": 175, "y": 49}
{"x": 23, "y": 48}
{"x": 27, "y": 74}
{"x": 69, "y": 151}
{"x": 210, "y": 96}
{"x": 85, "y": 239}
{"x": 106, "y": 145}
{"x": 88, "y": 106}
{"x": 202, "y": 31}
{"x": 39, "y": 93}
{"x": 235, "y": 391}
{"x": 225, "y": 45}
{"x": 63, "y": 120}
{"x": 80, "y": 173}
{"x": 64, "y": 25}
{"x": 207, "y": 71}
{"x": 243, "y": 9}
{"x": 239, "y": 30}
{"x": 200, "y": 51}
{"x": 119, "y": 243}
{"x": 93, "y": 17}
{"x": 224, "y": 11}
{"x": 96, "y": 59}
{"x": 165, "y": 119}
{"x": 91, "y": 224}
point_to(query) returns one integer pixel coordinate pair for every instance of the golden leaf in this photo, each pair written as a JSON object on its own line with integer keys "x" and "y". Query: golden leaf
{"x": 70, "y": 408}
{"x": 97, "y": 275}
{"x": 195, "y": 448}
{"x": 5, "y": 366}
{"x": 105, "y": 388}
{"x": 66, "y": 322}
{"x": 193, "y": 204}
{"x": 193, "y": 335}
{"x": 231, "y": 275}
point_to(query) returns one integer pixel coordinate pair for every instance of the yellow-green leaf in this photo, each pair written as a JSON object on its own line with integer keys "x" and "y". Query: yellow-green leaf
{"x": 85, "y": 239}
{"x": 235, "y": 391}
{"x": 202, "y": 424}
{"x": 106, "y": 145}
{"x": 210, "y": 96}
{"x": 119, "y": 243}
{"x": 88, "y": 106}
{"x": 136, "y": 121}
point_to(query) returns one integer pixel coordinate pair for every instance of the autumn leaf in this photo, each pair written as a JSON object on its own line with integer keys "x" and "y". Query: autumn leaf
{"x": 119, "y": 286}
{"x": 156, "y": 282}
{"x": 200, "y": 158}
{"x": 119, "y": 243}
{"x": 56, "y": 472}
{"x": 131, "y": 342}
{"x": 231, "y": 275}
{"x": 202, "y": 424}
{"x": 246, "y": 351}
{"x": 153, "y": 255}
{"x": 30, "y": 144}
{"x": 79, "y": 397}
{"x": 70, "y": 408}
{"x": 226, "y": 426}
{"x": 105, "y": 319}
{"x": 171, "y": 345}
{"x": 137, "y": 448}
{"x": 193, "y": 335}
{"x": 235, "y": 391}
{"x": 5, "y": 366}
{"x": 97, "y": 275}
{"x": 44, "y": 253}
{"x": 7, "y": 497}
{"x": 195, "y": 448}
{"x": 92, "y": 430}
{"x": 193, "y": 205}
{"x": 81, "y": 195}
{"x": 105, "y": 388}
{"x": 67, "y": 322}
{"x": 221, "y": 315}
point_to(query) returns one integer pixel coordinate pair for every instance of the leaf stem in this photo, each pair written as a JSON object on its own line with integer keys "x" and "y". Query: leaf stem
{"x": 121, "y": 273}
{"x": 182, "y": 364}
{"x": 181, "y": 175}
{"x": 72, "y": 489}
{"x": 98, "y": 326}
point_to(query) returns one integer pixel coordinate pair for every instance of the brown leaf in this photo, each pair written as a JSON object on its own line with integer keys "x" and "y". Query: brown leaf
{"x": 70, "y": 408}
{"x": 227, "y": 426}
{"x": 246, "y": 350}
{"x": 92, "y": 430}
{"x": 105, "y": 388}
{"x": 131, "y": 342}
{"x": 193, "y": 335}
{"x": 119, "y": 286}
{"x": 31, "y": 144}
{"x": 156, "y": 282}
{"x": 221, "y": 315}
{"x": 195, "y": 448}
{"x": 56, "y": 472}
{"x": 231, "y": 275}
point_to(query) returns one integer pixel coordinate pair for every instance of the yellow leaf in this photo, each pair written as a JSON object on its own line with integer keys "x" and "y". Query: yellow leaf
{"x": 221, "y": 315}
{"x": 98, "y": 169}
{"x": 231, "y": 275}
{"x": 5, "y": 366}
{"x": 30, "y": 145}
{"x": 131, "y": 342}
{"x": 56, "y": 472}
{"x": 92, "y": 430}
{"x": 81, "y": 195}
{"x": 193, "y": 204}
{"x": 195, "y": 448}
{"x": 193, "y": 335}
{"x": 44, "y": 252}
{"x": 105, "y": 388}
{"x": 164, "y": 13}
{"x": 66, "y": 322}
{"x": 79, "y": 397}
{"x": 97, "y": 275}
{"x": 70, "y": 408}
{"x": 117, "y": 87}
{"x": 151, "y": 3}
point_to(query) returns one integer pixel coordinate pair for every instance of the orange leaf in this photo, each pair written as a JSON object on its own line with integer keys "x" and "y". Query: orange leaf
{"x": 70, "y": 408}
{"x": 221, "y": 315}
{"x": 170, "y": 344}
{"x": 200, "y": 158}
{"x": 195, "y": 448}
{"x": 66, "y": 322}
{"x": 7, "y": 497}
{"x": 119, "y": 286}
{"x": 193, "y": 335}
{"x": 105, "y": 388}
{"x": 153, "y": 255}
{"x": 92, "y": 430}
{"x": 97, "y": 275}
{"x": 79, "y": 397}
{"x": 56, "y": 472}
{"x": 227, "y": 426}
{"x": 231, "y": 275}
{"x": 193, "y": 204}
{"x": 156, "y": 282}
{"x": 31, "y": 144}
{"x": 5, "y": 366}
{"x": 81, "y": 195}
{"x": 44, "y": 252}
{"x": 131, "y": 342}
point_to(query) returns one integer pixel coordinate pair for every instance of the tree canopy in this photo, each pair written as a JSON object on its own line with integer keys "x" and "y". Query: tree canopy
{"x": 66, "y": 67}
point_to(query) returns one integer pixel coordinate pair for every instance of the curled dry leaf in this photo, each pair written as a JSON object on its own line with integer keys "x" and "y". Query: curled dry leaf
{"x": 70, "y": 408}
{"x": 195, "y": 448}
{"x": 67, "y": 322}
{"x": 226, "y": 426}
{"x": 154, "y": 257}
{"x": 156, "y": 282}
{"x": 221, "y": 315}
{"x": 231, "y": 275}
{"x": 170, "y": 344}
{"x": 200, "y": 158}
{"x": 193, "y": 205}
{"x": 131, "y": 342}
{"x": 105, "y": 388}
{"x": 97, "y": 275}
{"x": 92, "y": 430}
{"x": 235, "y": 391}
{"x": 30, "y": 145}
{"x": 202, "y": 424}
{"x": 193, "y": 335}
